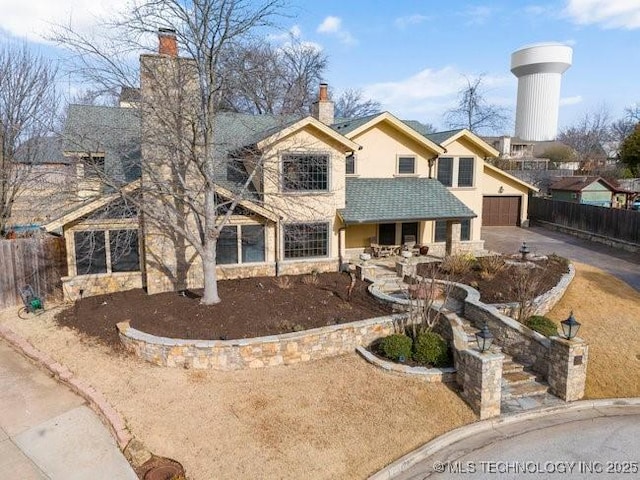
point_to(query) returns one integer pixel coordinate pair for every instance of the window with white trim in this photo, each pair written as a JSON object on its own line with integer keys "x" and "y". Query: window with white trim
{"x": 406, "y": 165}
{"x": 305, "y": 172}
{"x": 465, "y": 171}
{"x": 306, "y": 240}
{"x": 445, "y": 171}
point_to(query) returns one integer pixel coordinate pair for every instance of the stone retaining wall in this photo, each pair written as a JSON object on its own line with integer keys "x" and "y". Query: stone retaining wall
{"x": 285, "y": 349}
{"x": 430, "y": 375}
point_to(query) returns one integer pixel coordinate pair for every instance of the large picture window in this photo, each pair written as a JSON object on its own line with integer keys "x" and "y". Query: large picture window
{"x": 445, "y": 171}
{"x": 465, "y": 172}
{"x": 92, "y": 256}
{"x": 305, "y": 172}
{"x": 305, "y": 240}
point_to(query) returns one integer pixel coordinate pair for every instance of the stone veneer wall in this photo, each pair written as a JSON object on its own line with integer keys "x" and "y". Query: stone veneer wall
{"x": 285, "y": 349}
{"x": 299, "y": 267}
{"x": 99, "y": 284}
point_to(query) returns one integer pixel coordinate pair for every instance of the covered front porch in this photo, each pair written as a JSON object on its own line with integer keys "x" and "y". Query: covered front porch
{"x": 399, "y": 212}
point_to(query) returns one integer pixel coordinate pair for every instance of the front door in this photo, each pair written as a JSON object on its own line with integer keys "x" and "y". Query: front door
{"x": 387, "y": 234}
{"x": 410, "y": 229}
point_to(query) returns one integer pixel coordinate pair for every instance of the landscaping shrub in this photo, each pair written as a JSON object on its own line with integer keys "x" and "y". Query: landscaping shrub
{"x": 396, "y": 347}
{"x": 491, "y": 265}
{"x": 561, "y": 260}
{"x": 430, "y": 348}
{"x": 458, "y": 264}
{"x": 543, "y": 325}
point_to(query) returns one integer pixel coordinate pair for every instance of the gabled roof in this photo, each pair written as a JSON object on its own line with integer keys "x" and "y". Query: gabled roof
{"x": 41, "y": 151}
{"x": 374, "y": 200}
{"x": 447, "y": 138}
{"x": 353, "y": 128}
{"x": 510, "y": 177}
{"x": 88, "y": 207}
{"x": 275, "y": 135}
{"x": 577, "y": 184}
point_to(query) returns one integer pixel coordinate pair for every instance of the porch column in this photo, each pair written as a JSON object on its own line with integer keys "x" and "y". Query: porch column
{"x": 342, "y": 250}
{"x": 453, "y": 237}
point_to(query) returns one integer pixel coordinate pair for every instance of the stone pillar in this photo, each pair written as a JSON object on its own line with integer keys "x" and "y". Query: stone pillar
{"x": 567, "y": 372}
{"x": 480, "y": 376}
{"x": 453, "y": 237}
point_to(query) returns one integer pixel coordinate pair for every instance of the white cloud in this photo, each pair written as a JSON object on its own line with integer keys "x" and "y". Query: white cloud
{"x": 607, "y": 13}
{"x": 565, "y": 101}
{"x": 427, "y": 94}
{"x": 33, "y": 19}
{"x": 410, "y": 20}
{"x": 333, "y": 26}
{"x": 478, "y": 14}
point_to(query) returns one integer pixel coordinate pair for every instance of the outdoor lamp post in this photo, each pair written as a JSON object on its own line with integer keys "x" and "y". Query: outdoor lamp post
{"x": 484, "y": 338}
{"x": 570, "y": 327}
{"x": 524, "y": 251}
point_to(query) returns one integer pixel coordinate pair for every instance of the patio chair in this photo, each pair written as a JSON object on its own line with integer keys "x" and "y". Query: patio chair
{"x": 374, "y": 246}
{"x": 410, "y": 244}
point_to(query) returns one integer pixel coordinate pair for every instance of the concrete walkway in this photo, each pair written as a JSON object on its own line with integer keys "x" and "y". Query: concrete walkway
{"x": 579, "y": 440}
{"x": 619, "y": 263}
{"x": 48, "y": 432}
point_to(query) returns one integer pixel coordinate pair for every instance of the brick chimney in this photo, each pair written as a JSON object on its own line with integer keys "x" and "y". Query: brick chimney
{"x": 167, "y": 44}
{"x": 323, "y": 108}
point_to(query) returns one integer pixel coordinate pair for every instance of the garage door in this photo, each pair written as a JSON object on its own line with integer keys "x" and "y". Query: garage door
{"x": 500, "y": 211}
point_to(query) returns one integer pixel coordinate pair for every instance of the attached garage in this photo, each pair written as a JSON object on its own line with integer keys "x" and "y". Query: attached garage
{"x": 501, "y": 211}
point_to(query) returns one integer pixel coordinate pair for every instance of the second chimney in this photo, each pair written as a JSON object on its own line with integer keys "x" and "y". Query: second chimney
{"x": 167, "y": 43}
{"x": 323, "y": 108}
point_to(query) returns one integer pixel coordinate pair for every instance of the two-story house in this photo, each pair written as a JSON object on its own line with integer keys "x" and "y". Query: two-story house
{"x": 311, "y": 191}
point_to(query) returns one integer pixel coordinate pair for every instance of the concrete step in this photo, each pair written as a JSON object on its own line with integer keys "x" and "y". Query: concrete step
{"x": 517, "y": 378}
{"x": 529, "y": 389}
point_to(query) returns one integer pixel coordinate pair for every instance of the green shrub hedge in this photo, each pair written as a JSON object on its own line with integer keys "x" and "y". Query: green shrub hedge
{"x": 431, "y": 349}
{"x": 543, "y": 325}
{"x": 396, "y": 347}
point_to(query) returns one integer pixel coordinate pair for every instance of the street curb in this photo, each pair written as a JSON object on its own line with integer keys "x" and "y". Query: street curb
{"x": 437, "y": 444}
{"x": 99, "y": 404}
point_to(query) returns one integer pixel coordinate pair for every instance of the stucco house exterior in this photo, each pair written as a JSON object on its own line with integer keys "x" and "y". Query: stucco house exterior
{"x": 312, "y": 191}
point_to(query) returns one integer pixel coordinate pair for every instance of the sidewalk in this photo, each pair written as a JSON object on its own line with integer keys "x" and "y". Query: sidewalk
{"x": 48, "y": 432}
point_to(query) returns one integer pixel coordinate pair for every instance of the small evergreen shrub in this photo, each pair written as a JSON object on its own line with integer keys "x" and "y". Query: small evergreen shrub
{"x": 396, "y": 347}
{"x": 430, "y": 348}
{"x": 543, "y": 325}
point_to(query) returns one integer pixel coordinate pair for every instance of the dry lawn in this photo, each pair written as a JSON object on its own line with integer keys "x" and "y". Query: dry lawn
{"x": 337, "y": 418}
{"x": 609, "y": 311}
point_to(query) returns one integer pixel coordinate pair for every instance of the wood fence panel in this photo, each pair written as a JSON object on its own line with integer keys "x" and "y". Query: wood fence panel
{"x": 39, "y": 262}
{"x": 609, "y": 222}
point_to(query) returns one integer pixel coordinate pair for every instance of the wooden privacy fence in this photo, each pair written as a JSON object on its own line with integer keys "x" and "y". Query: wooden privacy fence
{"x": 609, "y": 222}
{"x": 39, "y": 262}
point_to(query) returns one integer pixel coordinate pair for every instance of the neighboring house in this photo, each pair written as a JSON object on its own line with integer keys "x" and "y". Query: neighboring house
{"x": 587, "y": 190}
{"x": 324, "y": 188}
{"x": 46, "y": 183}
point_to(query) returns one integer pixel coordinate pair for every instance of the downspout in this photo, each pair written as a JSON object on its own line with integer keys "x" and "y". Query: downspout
{"x": 341, "y": 247}
{"x": 277, "y": 246}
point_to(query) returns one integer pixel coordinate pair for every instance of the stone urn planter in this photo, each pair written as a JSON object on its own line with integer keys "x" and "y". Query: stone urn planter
{"x": 365, "y": 257}
{"x": 406, "y": 254}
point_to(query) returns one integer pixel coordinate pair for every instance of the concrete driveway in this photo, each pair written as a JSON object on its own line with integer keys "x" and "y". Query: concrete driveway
{"x": 620, "y": 263}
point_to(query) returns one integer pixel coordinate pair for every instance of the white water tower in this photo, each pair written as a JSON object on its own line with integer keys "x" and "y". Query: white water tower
{"x": 539, "y": 69}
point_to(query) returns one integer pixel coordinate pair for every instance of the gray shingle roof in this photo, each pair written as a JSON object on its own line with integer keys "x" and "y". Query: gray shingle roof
{"x": 345, "y": 126}
{"x": 374, "y": 200}
{"x": 440, "y": 137}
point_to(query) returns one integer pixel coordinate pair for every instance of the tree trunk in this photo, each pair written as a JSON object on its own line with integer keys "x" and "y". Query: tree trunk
{"x": 210, "y": 296}
{"x": 210, "y": 276}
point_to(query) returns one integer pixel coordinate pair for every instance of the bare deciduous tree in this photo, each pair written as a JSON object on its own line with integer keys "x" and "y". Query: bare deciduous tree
{"x": 473, "y": 112}
{"x": 261, "y": 78}
{"x": 587, "y": 136}
{"x": 352, "y": 104}
{"x": 28, "y": 104}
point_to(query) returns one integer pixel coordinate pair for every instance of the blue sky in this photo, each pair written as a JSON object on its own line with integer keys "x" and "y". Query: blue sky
{"x": 412, "y": 55}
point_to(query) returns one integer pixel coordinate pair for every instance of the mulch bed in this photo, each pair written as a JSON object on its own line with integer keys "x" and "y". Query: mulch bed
{"x": 250, "y": 307}
{"x": 499, "y": 289}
